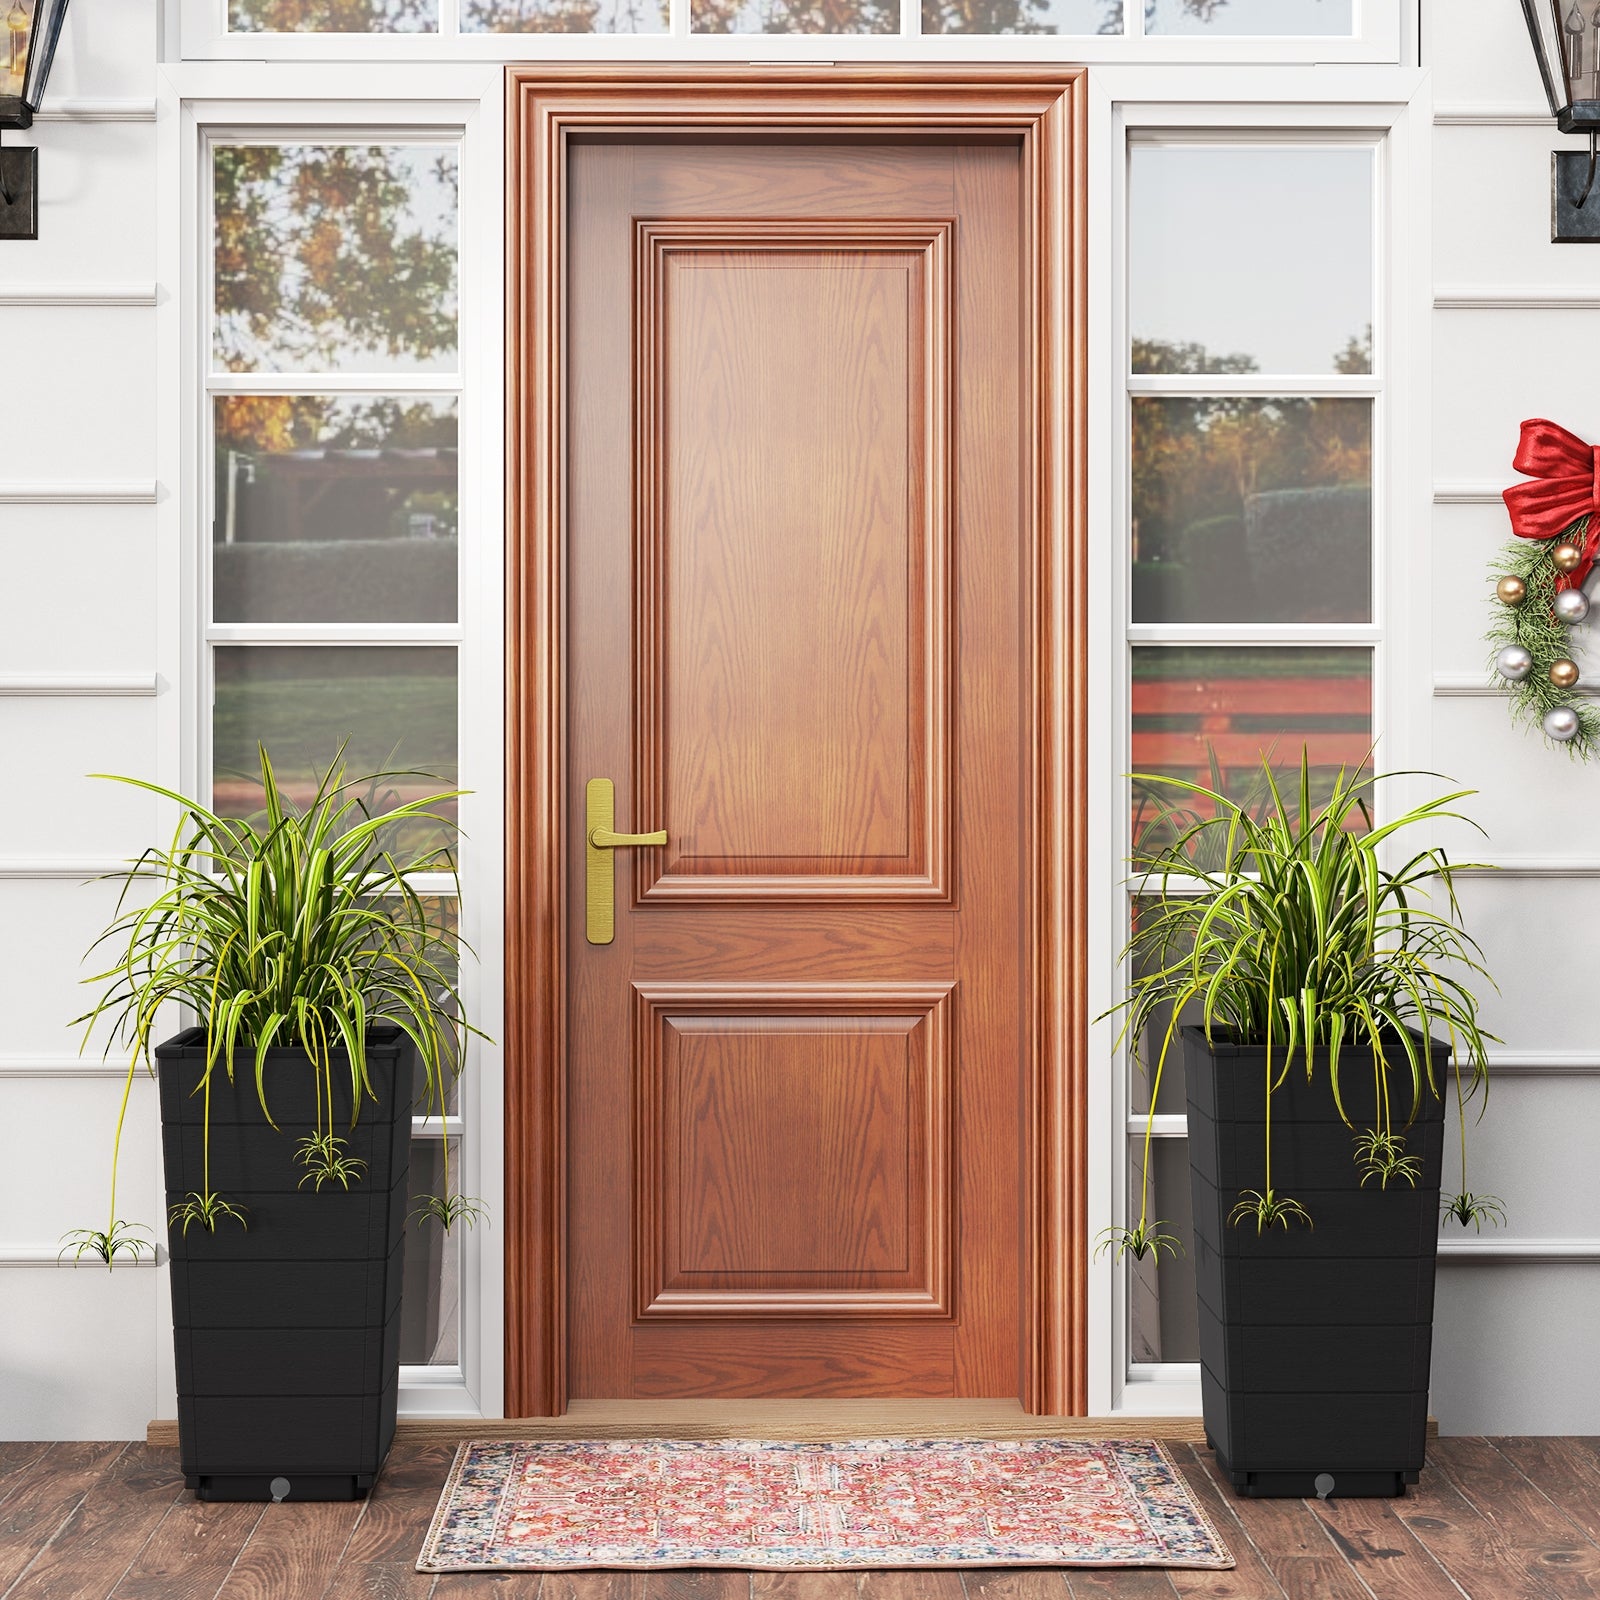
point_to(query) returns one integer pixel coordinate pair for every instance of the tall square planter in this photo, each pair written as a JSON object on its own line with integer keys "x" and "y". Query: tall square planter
{"x": 1315, "y": 1341}
{"x": 286, "y": 1330}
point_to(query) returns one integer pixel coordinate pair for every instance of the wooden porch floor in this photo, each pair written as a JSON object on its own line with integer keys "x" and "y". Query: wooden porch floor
{"x": 1493, "y": 1519}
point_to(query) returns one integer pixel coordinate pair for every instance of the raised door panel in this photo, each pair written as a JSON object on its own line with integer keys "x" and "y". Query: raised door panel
{"x": 793, "y": 1151}
{"x": 793, "y": 653}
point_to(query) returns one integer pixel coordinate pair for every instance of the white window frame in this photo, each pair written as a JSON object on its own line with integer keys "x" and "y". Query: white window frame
{"x": 1382, "y": 31}
{"x": 1391, "y": 109}
{"x": 450, "y": 107}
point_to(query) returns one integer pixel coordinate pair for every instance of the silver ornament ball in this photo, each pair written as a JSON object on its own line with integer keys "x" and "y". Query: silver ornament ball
{"x": 1561, "y": 724}
{"x": 1571, "y": 605}
{"x": 1514, "y": 663}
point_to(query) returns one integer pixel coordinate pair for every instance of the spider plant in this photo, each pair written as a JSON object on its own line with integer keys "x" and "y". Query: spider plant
{"x": 298, "y": 926}
{"x": 1280, "y": 921}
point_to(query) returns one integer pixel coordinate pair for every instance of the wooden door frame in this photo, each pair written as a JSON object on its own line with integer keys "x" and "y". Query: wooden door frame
{"x": 1044, "y": 108}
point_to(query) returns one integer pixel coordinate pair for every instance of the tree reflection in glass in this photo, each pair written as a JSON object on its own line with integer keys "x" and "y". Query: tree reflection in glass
{"x": 333, "y": 16}
{"x": 564, "y": 16}
{"x": 795, "y": 16}
{"x": 335, "y": 508}
{"x": 335, "y": 257}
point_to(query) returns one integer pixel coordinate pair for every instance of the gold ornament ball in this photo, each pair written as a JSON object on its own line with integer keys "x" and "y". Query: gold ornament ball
{"x": 1568, "y": 557}
{"x": 1563, "y": 673}
{"x": 1512, "y": 590}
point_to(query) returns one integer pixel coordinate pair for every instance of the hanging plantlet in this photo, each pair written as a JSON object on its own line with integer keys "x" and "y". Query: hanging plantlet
{"x": 1539, "y": 595}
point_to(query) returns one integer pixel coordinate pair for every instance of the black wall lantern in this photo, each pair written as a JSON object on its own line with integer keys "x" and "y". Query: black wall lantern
{"x": 1566, "y": 39}
{"x": 27, "y": 47}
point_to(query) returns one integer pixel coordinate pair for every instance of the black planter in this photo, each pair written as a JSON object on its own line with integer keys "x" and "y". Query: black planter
{"x": 1314, "y": 1342}
{"x": 287, "y": 1332}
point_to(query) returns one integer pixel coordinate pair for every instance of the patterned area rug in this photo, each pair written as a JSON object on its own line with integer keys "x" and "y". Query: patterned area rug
{"x": 798, "y": 1506}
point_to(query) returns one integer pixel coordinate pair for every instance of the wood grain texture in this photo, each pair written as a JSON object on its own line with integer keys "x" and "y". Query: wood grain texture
{"x": 1554, "y": 1555}
{"x": 1376, "y": 1545}
{"x": 756, "y": 1360}
{"x": 125, "y": 1504}
{"x": 770, "y": 1419}
{"x": 1250, "y": 1578}
{"x": 793, "y": 1149}
{"x": 620, "y": 1323}
{"x": 792, "y": 404}
{"x": 404, "y": 1496}
{"x": 47, "y": 1493}
{"x": 291, "y": 1551}
{"x": 550, "y": 111}
{"x": 1015, "y": 1583}
{"x": 1126, "y": 1585}
{"x": 1566, "y": 1471}
{"x": 191, "y": 1552}
{"x": 1296, "y": 1547}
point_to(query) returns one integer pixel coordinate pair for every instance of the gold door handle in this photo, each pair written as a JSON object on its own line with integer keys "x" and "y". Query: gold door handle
{"x": 605, "y": 839}
{"x": 599, "y": 840}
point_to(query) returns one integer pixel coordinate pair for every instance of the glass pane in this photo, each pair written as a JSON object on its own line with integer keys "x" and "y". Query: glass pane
{"x": 333, "y": 16}
{"x": 1171, "y": 1092}
{"x": 1250, "y": 259}
{"x": 1209, "y": 715}
{"x": 1252, "y": 510}
{"x": 396, "y": 707}
{"x": 1022, "y": 16}
{"x": 335, "y": 258}
{"x": 1250, "y": 16}
{"x": 334, "y": 510}
{"x": 794, "y": 16}
{"x": 430, "y": 1305}
{"x": 564, "y": 16}
{"x": 1162, "y": 1314}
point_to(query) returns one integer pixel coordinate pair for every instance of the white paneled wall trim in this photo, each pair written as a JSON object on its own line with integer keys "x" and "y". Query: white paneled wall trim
{"x": 77, "y": 294}
{"x": 1487, "y": 1252}
{"x": 98, "y": 109}
{"x": 46, "y": 1067}
{"x": 1514, "y": 297}
{"x": 78, "y": 492}
{"x": 1510, "y": 1062}
{"x": 1467, "y": 494}
{"x": 82, "y": 868}
{"x": 90, "y": 686}
{"x": 1486, "y": 114}
{"x": 1469, "y": 685}
{"x": 49, "y": 1255}
{"x": 1490, "y": 866}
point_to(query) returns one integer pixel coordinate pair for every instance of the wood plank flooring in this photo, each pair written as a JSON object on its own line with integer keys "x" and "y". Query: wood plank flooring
{"x": 1493, "y": 1519}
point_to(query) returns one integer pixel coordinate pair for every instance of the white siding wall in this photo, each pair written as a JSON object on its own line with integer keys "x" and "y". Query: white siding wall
{"x": 78, "y": 1347}
{"x": 1514, "y": 1342}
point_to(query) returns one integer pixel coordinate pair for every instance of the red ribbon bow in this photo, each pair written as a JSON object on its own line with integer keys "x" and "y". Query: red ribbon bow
{"x": 1566, "y": 486}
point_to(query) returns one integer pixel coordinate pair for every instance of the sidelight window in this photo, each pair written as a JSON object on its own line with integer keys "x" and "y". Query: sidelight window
{"x": 1254, "y": 393}
{"x": 331, "y": 571}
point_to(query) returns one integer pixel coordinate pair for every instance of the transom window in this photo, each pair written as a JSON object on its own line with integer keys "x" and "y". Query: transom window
{"x": 1085, "y": 30}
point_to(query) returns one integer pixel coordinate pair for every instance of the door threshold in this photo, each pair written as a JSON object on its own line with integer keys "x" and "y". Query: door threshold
{"x": 780, "y": 1419}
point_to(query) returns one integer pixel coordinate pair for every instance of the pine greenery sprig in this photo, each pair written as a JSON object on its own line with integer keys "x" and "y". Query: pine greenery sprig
{"x": 1535, "y": 626}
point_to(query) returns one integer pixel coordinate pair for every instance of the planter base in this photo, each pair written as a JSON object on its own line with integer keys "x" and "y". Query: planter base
{"x": 1303, "y": 1485}
{"x": 302, "y": 1486}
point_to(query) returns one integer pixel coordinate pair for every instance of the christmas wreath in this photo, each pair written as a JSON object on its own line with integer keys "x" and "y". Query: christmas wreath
{"x": 1539, "y": 583}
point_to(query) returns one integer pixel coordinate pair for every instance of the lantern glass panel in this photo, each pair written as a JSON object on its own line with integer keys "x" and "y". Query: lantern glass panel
{"x": 32, "y": 30}
{"x": 1566, "y": 42}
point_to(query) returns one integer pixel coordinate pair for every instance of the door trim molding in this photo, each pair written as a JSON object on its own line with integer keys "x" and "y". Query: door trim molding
{"x": 1044, "y": 109}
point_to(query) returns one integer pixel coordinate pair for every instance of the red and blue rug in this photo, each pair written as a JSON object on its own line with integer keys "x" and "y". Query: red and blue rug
{"x": 807, "y": 1506}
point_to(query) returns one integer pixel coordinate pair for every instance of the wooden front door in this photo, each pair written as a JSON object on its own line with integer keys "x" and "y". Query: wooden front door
{"x": 799, "y": 537}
